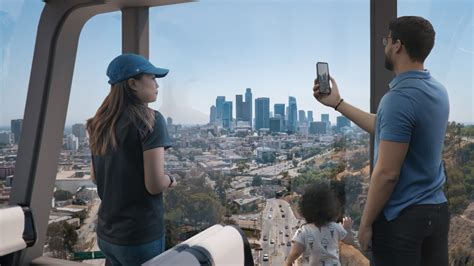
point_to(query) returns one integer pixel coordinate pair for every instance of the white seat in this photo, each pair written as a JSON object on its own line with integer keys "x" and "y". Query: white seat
{"x": 217, "y": 245}
{"x": 12, "y": 225}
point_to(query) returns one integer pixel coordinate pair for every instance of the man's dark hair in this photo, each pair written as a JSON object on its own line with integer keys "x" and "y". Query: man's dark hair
{"x": 416, "y": 34}
{"x": 319, "y": 204}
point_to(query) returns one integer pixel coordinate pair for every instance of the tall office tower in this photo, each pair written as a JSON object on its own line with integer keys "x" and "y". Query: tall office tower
{"x": 279, "y": 109}
{"x": 219, "y": 106}
{"x": 72, "y": 142}
{"x": 248, "y": 106}
{"x": 262, "y": 113}
{"x": 79, "y": 130}
{"x": 212, "y": 115}
{"x": 342, "y": 121}
{"x": 292, "y": 114}
{"x": 317, "y": 128}
{"x": 227, "y": 115}
{"x": 7, "y": 138}
{"x": 302, "y": 116}
{"x": 324, "y": 117}
{"x": 239, "y": 107}
{"x": 310, "y": 116}
{"x": 276, "y": 124}
{"x": 16, "y": 125}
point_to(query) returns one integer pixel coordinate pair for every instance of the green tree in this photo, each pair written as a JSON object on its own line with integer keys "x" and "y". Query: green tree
{"x": 81, "y": 215}
{"x": 257, "y": 181}
{"x": 289, "y": 156}
{"x": 193, "y": 206}
{"x": 61, "y": 238}
{"x": 299, "y": 183}
{"x": 453, "y": 137}
{"x": 468, "y": 131}
{"x": 172, "y": 237}
{"x": 459, "y": 166}
{"x": 242, "y": 166}
{"x": 340, "y": 144}
{"x": 359, "y": 160}
{"x": 222, "y": 184}
{"x": 295, "y": 162}
{"x": 210, "y": 211}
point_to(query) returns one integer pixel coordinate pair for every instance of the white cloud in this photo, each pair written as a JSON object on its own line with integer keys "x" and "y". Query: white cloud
{"x": 465, "y": 50}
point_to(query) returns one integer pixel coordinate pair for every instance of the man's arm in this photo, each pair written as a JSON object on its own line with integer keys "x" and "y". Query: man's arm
{"x": 364, "y": 120}
{"x": 384, "y": 179}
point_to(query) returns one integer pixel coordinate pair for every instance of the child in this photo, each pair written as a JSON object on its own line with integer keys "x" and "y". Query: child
{"x": 319, "y": 238}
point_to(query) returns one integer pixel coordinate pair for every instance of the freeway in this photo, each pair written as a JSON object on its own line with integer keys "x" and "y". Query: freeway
{"x": 278, "y": 227}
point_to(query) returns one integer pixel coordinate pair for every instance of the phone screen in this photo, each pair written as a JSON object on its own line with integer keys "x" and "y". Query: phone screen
{"x": 323, "y": 77}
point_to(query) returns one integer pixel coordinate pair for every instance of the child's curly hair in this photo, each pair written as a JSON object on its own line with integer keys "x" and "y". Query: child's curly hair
{"x": 319, "y": 204}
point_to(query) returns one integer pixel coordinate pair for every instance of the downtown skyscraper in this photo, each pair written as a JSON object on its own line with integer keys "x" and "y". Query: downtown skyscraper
{"x": 342, "y": 121}
{"x": 219, "y": 109}
{"x": 212, "y": 115}
{"x": 262, "y": 113}
{"x": 227, "y": 115}
{"x": 279, "y": 109}
{"x": 302, "y": 116}
{"x": 244, "y": 109}
{"x": 310, "y": 117}
{"x": 16, "y": 126}
{"x": 292, "y": 114}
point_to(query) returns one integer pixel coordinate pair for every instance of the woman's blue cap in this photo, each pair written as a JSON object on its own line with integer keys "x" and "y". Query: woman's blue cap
{"x": 126, "y": 66}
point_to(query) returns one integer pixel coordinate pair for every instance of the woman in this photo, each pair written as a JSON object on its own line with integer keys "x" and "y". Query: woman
{"x": 128, "y": 142}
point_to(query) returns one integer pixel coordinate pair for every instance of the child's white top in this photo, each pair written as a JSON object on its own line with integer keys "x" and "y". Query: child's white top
{"x": 321, "y": 245}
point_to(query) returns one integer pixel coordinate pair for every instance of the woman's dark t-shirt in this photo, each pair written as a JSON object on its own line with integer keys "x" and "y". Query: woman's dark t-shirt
{"x": 128, "y": 214}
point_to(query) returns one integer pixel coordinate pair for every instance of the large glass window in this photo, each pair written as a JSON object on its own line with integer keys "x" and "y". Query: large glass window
{"x": 73, "y": 218}
{"x": 452, "y": 63}
{"x": 226, "y": 57}
{"x": 18, "y": 24}
{"x": 248, "y": 135}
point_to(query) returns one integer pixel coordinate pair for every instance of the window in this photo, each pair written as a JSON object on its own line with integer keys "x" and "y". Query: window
{"x": 451, "y": 62}
{"x": 18, "y": 25}
{"x": 223, "y": 55}
{"x": 248, "y": 135}
{"x": 73, "y": 218}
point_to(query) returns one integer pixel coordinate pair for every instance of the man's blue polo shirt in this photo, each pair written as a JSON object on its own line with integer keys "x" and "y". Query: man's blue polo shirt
{"x": 415, "y": 110}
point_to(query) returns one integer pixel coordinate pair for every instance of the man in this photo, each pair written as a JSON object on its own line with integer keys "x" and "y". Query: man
{"x": 406, "y": 216}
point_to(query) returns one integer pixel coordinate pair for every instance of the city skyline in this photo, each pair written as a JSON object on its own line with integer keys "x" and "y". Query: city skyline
{"x": 248, "y": 138}
{"x": 272, "y": 56}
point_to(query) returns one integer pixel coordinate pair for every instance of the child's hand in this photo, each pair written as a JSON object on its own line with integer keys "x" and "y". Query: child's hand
{"x": 347, "y": 223}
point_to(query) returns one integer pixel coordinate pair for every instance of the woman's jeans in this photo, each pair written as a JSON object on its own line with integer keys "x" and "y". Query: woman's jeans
{"x": 131, "y": 254}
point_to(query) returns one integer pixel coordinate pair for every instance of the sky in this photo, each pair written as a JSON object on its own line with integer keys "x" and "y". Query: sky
{"x": 221, "y": 47}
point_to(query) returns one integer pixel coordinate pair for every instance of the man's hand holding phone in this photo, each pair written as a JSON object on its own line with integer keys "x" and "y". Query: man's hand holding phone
{"x": 331, "y": 99}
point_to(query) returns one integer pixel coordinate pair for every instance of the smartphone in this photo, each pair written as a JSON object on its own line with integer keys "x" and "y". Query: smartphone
{"x": 322, "y": 72}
